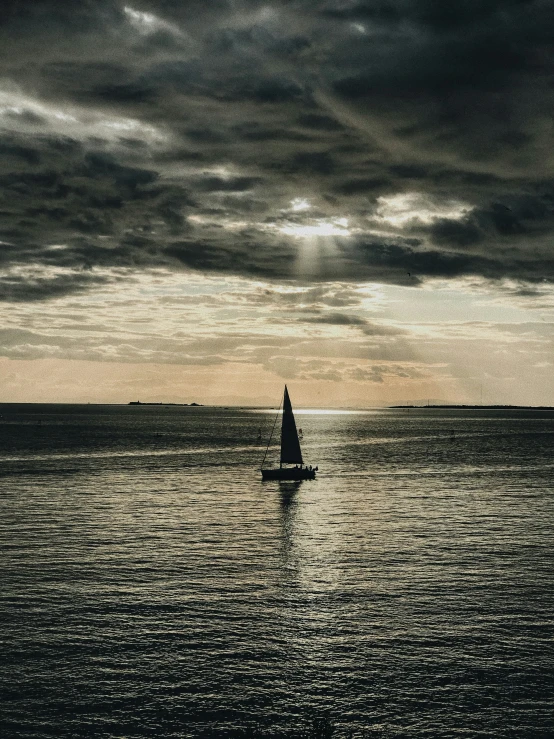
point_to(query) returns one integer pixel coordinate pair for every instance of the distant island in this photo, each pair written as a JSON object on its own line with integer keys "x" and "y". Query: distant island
{"x": 190, "y": 405}
{"x": 482, "y": 407}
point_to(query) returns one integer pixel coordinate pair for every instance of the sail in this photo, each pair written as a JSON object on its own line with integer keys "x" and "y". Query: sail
{"x": 290, "y": 446}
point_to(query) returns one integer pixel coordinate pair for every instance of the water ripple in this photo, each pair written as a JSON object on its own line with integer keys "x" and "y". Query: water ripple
{"x": 152, "y": 585}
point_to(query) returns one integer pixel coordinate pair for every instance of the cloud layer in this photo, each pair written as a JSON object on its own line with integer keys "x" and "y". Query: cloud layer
{"x": 390, "y": 141}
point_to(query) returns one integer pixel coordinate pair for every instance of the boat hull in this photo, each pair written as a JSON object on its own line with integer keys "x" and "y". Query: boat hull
{"x": 288, "y": 473}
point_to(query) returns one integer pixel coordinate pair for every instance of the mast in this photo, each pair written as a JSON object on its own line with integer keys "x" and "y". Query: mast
{"x": 290, "y": 445}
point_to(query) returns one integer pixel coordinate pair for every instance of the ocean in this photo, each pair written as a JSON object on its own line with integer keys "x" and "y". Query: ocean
{"x": 153, "y": 586}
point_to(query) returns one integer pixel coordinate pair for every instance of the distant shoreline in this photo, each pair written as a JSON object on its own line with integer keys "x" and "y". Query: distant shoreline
{"x": 481, "y": 407}
{"x": 135, "y": 403}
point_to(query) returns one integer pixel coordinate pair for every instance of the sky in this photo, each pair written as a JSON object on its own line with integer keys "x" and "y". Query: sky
{"x": 201, "y": 201}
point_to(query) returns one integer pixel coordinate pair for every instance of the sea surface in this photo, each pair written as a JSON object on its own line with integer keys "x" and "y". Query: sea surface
{"x": 151, "y": 585}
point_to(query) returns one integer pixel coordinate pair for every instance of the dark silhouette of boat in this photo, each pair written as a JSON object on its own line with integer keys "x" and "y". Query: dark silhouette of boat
{"x": 291, "y": 454}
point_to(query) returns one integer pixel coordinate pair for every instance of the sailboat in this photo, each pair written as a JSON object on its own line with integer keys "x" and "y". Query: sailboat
{"x": 290, "y": 450}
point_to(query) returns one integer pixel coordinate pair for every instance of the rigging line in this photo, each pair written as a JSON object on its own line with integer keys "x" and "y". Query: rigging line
{"x": 271, "y": 435}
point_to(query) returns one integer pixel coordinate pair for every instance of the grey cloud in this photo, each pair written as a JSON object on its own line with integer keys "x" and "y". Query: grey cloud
{"x": 376, "y": 372}
{"x": 368, "y": 348}
{"x": 331, "y": 370}
{"x": 11, "y": 149}
{"x": 18, "y": 289}
{"x": 318, "y": 121}
{"x": 233, "y": 184}
{"x": 368, "y": 328}
{"x": 456, "y": 233}
{"x": 312, "y": 298}
{"x": 376, "y": 329}
{"x": 93, "y": 343}
{"x": 329, "y": 375}
{"x": 336, "y": 319}
{"x": 365, "y": 185}
{"x": 339, "y": 103}
{"x": 371, "y": 374}
{"x": 498, "y": 229}
{"x": 320, "y": 163}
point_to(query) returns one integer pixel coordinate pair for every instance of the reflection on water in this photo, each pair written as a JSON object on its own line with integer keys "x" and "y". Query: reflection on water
{"x": 153, "y": 586}
{"x": 288, "y": 490}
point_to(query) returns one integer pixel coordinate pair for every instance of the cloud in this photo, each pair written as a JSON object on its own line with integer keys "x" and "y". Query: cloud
{"x": 291, "y": 297}
{"x": 332, "y": 370}
{"x": 369, "y": 328}
{"x": 20, "y": 286}
{"x": 338, "y": 319}
{"x": 186, "y": 145}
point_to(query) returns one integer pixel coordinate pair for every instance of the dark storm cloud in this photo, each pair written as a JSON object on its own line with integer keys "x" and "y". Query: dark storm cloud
{"x": 530, "y": 215}
{"x": 22, "y": 288}
{"x": 174, "y": 134}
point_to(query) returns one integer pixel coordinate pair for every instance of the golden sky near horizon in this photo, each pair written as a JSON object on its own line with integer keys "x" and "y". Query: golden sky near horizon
{"x": 175, "y": 338}
{"x": 201, "y": 202}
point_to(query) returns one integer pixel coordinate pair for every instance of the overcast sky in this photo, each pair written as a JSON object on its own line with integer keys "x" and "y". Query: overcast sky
{"x": 203, "y": 200}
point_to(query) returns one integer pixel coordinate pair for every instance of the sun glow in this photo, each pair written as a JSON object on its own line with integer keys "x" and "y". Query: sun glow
{"x": 335, "y": 227}
{"x": 299, "y": 204}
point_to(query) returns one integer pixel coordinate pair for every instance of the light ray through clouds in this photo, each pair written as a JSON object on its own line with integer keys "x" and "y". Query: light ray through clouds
{"x": 352, "y": 198}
